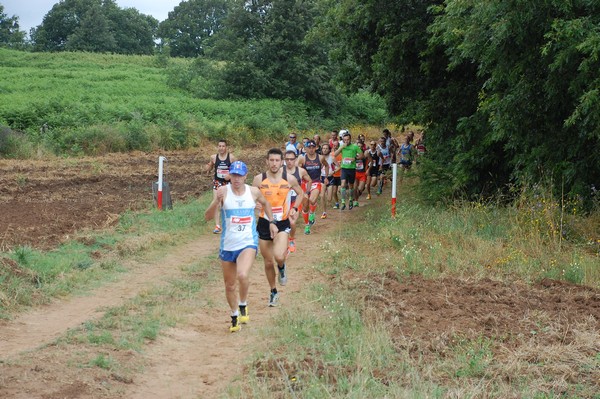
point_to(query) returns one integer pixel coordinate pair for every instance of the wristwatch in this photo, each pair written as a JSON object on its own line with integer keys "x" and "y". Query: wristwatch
{"x": 273, "y": 221}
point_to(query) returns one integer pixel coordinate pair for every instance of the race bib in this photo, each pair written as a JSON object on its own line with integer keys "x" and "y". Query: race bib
{"x": 359, "y": 164}
{"x": 222, "y": 173}
{"x": 347, "y": 161}
{"x": 277, "y": 213}
{"x": 240, "y": 224}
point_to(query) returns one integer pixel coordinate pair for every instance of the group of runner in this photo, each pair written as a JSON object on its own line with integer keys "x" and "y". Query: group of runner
{"x": 295, "y": 179}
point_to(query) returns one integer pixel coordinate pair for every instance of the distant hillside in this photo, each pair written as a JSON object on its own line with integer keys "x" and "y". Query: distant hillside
{"x": 95, "y": 103}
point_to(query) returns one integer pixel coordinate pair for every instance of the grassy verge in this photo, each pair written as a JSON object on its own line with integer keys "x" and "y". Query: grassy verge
{"x": 30, "y": 277}
{"x": 368, "y": 331}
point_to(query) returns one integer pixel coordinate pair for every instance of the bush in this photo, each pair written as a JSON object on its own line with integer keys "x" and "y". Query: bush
{"x": 14, "y": 144}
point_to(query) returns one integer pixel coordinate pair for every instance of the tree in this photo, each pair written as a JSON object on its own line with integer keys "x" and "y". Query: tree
{"x": 93, "y": 33}
{"x": 190, "y": 26}
{"x": 97, "y": 26}
{"x": 10, "y": 35}
{"x": 270, "y": 52}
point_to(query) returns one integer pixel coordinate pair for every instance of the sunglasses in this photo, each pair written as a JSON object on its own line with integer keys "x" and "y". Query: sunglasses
{"x": 292, "y": 137}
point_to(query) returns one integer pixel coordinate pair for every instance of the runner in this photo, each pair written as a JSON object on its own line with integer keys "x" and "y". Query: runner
{"x": 327, "y": 193}
{"x": 317, "y": 139}
{"x": 361, "y": 171}
{"x": 386, "y": 163}
{"x": 302, "y": 176}
{"x": 406, "y": 155}
{"x": 275, "y": 185}
{"x": 391, "y": 143}
{"x": 350, "y": 153}
{"x": 332, "y": 138}
{"x": 239, "y": 240}
{"x": 313, "y": 163}
{"x": 337, "y": 175}
{"x": 293, "y": 145}
{"x": 221, "y": 161}
{"x": 373, "y": 159}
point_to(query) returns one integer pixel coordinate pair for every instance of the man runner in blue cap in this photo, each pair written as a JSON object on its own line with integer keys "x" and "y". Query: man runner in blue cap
{"x": 239, "y": 238}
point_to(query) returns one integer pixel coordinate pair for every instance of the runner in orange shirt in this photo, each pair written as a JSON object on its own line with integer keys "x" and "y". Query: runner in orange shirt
{"x": 275, "y": 185}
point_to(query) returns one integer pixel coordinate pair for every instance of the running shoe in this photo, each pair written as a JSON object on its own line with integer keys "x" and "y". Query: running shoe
{"x": 350, "y": 205}
{"x": 217, "y": 230}
{"x": 324, "y": 215}
{"x": 378, "y": 192}
{"x": 292, "y": 246}
{"x": 274, "y": 299}
{"x": 368, "y": 196}
{"x": 282, "y": 276}
{"x": 235, "y": 326}
{"x": 344, "y": 206}
{"x": 355, "y": 203}
{"x": 336, "y": 206}
{"x": 243, "y": 318}
{"x": 307, "y": 229}
{"x": 311, "y": 218}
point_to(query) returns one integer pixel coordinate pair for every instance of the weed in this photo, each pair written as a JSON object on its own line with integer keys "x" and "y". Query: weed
{"x": 102, "y": 361}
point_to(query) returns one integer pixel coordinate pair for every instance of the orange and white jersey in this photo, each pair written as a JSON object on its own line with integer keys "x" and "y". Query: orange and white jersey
{"x": 277, "y": 195}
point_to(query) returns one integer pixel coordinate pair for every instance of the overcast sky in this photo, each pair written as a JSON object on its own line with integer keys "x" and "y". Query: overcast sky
{"x": 31, "y": 12}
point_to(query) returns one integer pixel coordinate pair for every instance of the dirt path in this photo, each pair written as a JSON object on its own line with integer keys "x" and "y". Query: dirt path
{"x": 41, "y": 326}
{"x": 200, "y": 358}
{"x": 197, "y": 358}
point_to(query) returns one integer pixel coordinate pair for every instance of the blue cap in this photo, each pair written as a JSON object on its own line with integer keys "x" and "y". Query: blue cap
{"x": 238, "y": 168}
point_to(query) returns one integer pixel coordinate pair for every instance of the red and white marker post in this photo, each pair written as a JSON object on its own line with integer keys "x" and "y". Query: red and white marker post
{"x": 159, "y": 199}
{"x": 394, "y": 175}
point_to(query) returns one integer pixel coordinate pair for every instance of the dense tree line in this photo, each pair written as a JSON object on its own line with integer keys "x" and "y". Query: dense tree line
{"x": 508, "y": 91}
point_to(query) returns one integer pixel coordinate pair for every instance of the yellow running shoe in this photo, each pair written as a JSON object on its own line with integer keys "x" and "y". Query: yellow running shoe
{"x": 243, "y": 318}
{"x": 234, "y": 325}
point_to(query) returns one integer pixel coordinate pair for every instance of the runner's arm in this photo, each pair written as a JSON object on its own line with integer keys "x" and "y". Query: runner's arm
{"x": 266, "y": 205}
{"x": 325, "y": 165}
{"x": 360, "y": 154}
{"x": 304, "y": 176}
{"x": 296, "y": 187}
{"x": 210, "y": 164}
{"x": 209, "y": 214}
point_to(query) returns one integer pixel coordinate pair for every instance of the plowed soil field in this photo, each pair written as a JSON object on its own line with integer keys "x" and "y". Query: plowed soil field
{"x": 46, "y": 201}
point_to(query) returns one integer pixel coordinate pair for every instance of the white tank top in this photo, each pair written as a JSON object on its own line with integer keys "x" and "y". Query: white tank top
{"x": 239, "y": 221}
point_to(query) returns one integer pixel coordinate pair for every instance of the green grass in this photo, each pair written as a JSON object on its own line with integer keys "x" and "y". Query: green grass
{"x": 98, "y": 103}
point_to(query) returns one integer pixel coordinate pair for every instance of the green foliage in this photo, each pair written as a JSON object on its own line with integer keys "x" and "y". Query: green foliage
{"x": 95, "y": 26}
{"x": 270, "y": 54}
{"x": 190, "y": 26}
{"x": 104, "y": 362}
{"x": 508, "y": 93}
{"x": 10, "y": 34}
{"x": 84, "y": 103}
